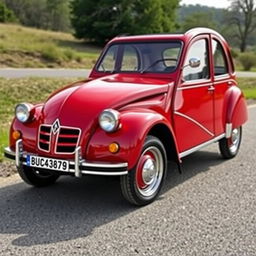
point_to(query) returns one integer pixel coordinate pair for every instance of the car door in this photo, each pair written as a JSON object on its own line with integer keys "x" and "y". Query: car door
{"x": 194, "y": 106}
{"x": 222, "y": 68}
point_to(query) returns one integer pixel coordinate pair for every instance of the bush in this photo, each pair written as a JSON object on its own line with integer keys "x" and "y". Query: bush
{"x": 234, "y": 53}
{"x": 69, "y": 54}
{"x": 6, "y": 15}
{"x": 247, "y": 60}
{"x": 52, "y": 53}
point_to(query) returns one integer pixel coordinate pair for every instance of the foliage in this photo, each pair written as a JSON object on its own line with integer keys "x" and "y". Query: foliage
{"x": 6, "y": 15}
{"x": 102, "y": 20}
{"x": 217, "y": 14}
{"x": 46, "y": 14}
{"x": 248, "y": 60}
{"x": 243, "y": 17}
{"x": 29, "y": 47}
{"x": 234, "y": 53}
{"x": 199, "y": 19}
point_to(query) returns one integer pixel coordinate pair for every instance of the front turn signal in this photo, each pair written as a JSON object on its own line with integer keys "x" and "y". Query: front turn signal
{"x": 113, "y": 147}
{"x": 16, "y": 135}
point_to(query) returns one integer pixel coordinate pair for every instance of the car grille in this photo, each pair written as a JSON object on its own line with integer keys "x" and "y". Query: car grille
{"x": 45, "y": 137}
{"x": 67, "y": 139}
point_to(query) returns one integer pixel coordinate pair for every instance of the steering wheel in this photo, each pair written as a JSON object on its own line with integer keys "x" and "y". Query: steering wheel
{"x": 156, "y": 62}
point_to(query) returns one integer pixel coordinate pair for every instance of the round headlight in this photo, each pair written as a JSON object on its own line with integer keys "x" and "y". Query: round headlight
{"x": 23, "y": 112}
{"x": 109, "y": 120}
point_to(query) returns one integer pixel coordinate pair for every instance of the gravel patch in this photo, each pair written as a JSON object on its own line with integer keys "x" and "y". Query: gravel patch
{"x": 7, "y": 169}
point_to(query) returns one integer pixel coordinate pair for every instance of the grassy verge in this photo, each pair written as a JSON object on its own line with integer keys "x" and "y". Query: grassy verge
{"x": 22, "y": 47}
{"x": 248, "y": 85}
{"x": 13, "y": 91}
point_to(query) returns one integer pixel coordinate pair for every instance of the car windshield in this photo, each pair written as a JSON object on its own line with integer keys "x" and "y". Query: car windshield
{"x": 141, "y": 57}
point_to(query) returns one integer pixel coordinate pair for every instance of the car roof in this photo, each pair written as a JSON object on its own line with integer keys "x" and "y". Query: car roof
{"x": 187, "y": 36}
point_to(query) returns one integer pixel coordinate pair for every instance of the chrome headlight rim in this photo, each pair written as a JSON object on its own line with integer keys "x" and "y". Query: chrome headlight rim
{"x": 27, "y": 110}
{"x": 112, "y": 114}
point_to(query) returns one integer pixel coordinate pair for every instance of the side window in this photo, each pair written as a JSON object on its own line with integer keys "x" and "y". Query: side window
{"x": 219, "y": 58}
{"x": 198, "y": 50}
{"x": 109, "y": 61}
{"x": 130, "y": 59}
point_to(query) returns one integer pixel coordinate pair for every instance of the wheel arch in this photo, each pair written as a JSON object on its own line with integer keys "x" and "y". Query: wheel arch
{"x": 235, "y": 109}
{"x": 136, "y": 126}
{"x": 166, "y": 136}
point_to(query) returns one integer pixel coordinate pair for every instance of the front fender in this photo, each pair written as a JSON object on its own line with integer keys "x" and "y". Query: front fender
{"x": 236, "y": 109}
{"x": 134, "y": 128}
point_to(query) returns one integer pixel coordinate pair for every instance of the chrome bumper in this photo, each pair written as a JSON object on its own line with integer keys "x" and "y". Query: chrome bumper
{"x": 77, "y": 167}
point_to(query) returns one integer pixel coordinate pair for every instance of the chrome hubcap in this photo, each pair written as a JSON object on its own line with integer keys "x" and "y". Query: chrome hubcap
{"x": 234, "y": 140}
{"x": 150, "y": 171}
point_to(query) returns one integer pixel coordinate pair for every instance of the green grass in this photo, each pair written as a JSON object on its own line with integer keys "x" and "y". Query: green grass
{"x": 3, "y": 141}
{"x": 240, "y": 68}
{"x": 248, "y": 86}
{"x": 13, "y": 91}
{"x": 28, "y": 47}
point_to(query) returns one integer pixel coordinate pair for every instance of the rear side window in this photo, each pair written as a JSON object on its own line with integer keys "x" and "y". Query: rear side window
{"x": 219, "y": 58}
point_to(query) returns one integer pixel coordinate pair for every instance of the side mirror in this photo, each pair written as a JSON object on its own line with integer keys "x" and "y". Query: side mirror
{"x": 194, "y": 62}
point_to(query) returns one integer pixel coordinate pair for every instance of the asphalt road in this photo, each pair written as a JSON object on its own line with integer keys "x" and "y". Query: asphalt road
{"x": 208, "y": 210}
{"x": 33, "y": 72}
{"x": 41, "y": 72}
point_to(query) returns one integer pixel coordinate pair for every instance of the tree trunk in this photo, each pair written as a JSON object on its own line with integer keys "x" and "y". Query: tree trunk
{"x": 243, "y": 45}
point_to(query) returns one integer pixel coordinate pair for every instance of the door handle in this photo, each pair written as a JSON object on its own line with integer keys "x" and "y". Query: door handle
{"x": 211, "y": 88}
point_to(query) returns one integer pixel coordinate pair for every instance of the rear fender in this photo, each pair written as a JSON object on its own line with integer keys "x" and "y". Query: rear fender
{"x": 236, "y": 109}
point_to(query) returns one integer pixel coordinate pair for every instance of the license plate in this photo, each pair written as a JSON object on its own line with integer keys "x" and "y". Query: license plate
{"x": 47, "y": 163}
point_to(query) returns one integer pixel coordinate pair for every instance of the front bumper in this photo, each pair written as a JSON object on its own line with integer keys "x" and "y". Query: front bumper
{"x": 77, "y": 167}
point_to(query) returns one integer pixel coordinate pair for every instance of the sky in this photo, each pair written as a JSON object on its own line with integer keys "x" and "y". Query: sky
{"x": 211, "y": 3}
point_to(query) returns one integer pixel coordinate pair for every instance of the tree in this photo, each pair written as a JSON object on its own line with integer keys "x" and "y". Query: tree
{"x": 199, "y": 19}
{"x": 243, "y": 16}
{"x": 58, "y": 12}
{"x": 101, "y": 20}
{"x": 46, "y": 14}
{"x": 6, "y": 15}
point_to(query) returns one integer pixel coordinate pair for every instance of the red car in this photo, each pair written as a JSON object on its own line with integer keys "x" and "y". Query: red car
{"x": 149, "y": 99}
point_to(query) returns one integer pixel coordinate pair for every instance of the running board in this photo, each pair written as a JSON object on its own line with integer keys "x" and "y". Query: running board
{"x": 192, "y": 150}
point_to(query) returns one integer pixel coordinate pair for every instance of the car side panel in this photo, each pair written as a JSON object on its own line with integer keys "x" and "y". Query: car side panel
{"x": 193, "y": 116}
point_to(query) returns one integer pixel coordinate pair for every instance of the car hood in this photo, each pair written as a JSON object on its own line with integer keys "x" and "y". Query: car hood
{"x": 83, "y": 102}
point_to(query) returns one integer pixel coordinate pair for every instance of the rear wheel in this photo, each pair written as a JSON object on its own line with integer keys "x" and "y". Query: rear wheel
{"x": 229, "y": 147}
{"x": 142, "y": 184}
{"x": 37, "y": 178}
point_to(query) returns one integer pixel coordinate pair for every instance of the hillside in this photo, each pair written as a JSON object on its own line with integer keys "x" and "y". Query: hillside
{"x": 28, "y": 47}
{"x": 187, "y": 10}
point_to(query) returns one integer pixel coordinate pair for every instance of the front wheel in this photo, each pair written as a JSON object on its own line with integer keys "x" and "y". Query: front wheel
{"x": 229, "y": 147}
{"x": 142, "y": 184}
{"x": 37, "y": 178}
